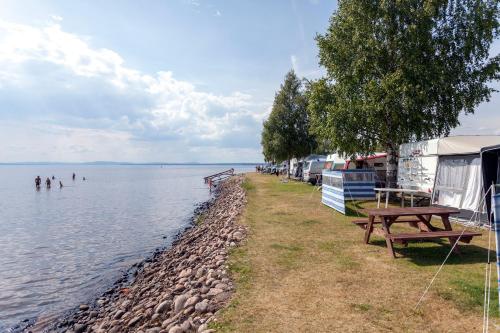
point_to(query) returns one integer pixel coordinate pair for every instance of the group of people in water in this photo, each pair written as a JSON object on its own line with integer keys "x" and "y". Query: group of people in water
{"x": 48, "y": 182}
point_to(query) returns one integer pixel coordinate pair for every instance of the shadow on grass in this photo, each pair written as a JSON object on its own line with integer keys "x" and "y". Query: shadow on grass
{"x": 433, "y": 253}
{"x": 354, "y": 209}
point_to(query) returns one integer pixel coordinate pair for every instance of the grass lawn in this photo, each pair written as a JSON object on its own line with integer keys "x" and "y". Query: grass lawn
{"x": 305, "y": 268}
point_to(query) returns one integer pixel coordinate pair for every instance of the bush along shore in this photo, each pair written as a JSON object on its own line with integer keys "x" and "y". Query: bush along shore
{"x": 182, "y": 288}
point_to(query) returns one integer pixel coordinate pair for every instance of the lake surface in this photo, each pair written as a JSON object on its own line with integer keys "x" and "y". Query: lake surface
{"x": 63, "y": 247}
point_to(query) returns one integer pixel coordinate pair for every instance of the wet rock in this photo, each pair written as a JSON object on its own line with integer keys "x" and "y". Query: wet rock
{"x": 80, "y": 328}
{"x": 84, "y": 307}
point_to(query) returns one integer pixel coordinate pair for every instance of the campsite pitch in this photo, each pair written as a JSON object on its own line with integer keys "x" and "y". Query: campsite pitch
{"x": 305, "y": 268}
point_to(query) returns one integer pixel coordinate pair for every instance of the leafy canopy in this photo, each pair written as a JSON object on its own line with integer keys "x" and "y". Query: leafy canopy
{"x": 286, "y": 131}
{"x": 402, "y": 70}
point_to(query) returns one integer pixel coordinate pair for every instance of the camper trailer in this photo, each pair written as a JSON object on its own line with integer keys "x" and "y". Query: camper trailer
{"x": 312, "y": 167}
{"x": 334, "y": 162}
{"x": 457, "y": 170}
{"x": 376, "y": 162}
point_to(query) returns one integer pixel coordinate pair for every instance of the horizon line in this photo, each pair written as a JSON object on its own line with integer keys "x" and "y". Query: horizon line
{"x": 128, "y": 163}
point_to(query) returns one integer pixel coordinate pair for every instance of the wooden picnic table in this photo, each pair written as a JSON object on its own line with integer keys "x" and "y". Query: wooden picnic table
{"x": 418, "y": 217}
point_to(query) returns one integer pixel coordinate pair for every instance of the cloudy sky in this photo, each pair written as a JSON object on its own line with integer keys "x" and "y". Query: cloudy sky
{"x": 171, "y": 81}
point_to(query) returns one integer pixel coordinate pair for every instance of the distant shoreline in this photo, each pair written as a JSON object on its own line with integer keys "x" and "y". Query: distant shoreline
{"x": 123, "y": 163}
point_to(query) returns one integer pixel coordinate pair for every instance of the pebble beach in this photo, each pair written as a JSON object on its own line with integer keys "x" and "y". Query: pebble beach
{"x": 178, "y": 290}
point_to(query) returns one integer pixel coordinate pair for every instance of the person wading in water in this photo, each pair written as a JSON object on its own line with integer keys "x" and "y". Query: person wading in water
{"x": 74, "y": 176}
{"x": 38, "y": 182}
{"x": 60, "y": 184}
{"x": 47, "y": 182}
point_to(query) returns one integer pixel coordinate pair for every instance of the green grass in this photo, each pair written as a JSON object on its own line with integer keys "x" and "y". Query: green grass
{"x": 305, "y": 268}
{"x": 247, "y": 185}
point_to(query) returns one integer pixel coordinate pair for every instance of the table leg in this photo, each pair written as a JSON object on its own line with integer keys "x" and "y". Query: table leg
{"x": 378, "y": 201}
{"x": 425, "y": 223}
{"x": 386, "y": 199}
{"x": 411, "y": 199}
{"x": 385, "y": 225}
{"x": 446, "y": 222}
{"x": 402, "y": 200}
{"x": 369, "y": 228}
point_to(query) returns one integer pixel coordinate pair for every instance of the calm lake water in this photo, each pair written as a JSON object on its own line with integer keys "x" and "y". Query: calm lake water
{"x": 62, "y": 247}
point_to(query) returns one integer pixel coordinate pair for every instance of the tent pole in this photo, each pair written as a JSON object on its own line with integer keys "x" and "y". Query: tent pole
{"x": 496, "y": 224}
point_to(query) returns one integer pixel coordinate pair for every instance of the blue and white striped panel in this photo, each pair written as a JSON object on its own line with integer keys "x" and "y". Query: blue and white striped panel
{"x": 354, "y": 190}
{"x": 333, "y": 197}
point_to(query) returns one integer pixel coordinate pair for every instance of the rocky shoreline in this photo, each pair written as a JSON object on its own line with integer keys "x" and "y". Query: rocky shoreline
{"x": 177, "y": 290}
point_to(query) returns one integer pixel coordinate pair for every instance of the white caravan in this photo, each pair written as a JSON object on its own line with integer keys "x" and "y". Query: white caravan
{"x": 457, "y": 170}
{"x": 335, "y": 162}
{"x": 313, "y": 166}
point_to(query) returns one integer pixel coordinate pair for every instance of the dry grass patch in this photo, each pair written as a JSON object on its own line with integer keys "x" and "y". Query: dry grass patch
{"x": 305, "y": 268}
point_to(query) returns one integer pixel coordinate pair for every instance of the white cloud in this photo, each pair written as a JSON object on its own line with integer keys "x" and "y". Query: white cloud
{"x": 51, "y": 76}
{"x": 56, "y": 18}
{"x": 218, "y": 13}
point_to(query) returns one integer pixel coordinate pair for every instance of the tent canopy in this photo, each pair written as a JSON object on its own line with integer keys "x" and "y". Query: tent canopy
{"x": 466, "y": 144}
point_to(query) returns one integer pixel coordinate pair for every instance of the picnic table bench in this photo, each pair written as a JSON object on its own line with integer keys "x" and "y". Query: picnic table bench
{"x": 418, "y": 217}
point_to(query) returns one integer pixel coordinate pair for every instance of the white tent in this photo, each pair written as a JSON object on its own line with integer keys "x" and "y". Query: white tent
{"x": 464, "y": 168}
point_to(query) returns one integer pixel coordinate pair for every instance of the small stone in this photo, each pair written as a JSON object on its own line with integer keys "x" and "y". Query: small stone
{"x": 191, "y": 301}
{"x": 237, "y": 235}
{"x": 200, "y": 272}
{"x": 153, "y": 330}
{"x": 203, "y": 327}
{"x": 163, "y": 306}
{"x": 202, "y": 306}
{"x": 93, "y": 314}
{"x": 222, "y": 286}
{"x": 185, "y": 326}
{"x": 84, "y": 307}
{"x": 214, "y": 291}
{"x": 79, "y": 328}
{"x": 179, "y": 303}
{"x": 118, "y": 314}
{"x": 185, "y": 273}
{"x": 175, "y": 329}
{"x": 125, "y": 304}
{"x": 134, "y": 321}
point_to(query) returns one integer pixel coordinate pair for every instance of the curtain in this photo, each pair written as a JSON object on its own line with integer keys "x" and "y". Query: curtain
{"x": 459, "y": 182}
{"x": 473, "y": 187}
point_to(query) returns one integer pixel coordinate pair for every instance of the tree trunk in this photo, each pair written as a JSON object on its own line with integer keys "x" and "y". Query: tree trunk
{"x": 392, "y": 167}
{"x": 288, "y": 168}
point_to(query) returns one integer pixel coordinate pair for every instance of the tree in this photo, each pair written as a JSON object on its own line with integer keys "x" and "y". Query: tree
{"x": 399, "y": 71}
{"x": 286, "y": 132}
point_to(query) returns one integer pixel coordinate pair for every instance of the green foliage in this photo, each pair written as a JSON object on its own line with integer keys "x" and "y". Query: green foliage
{"x": 401, "y": 70}
{"x": 286, "y": 131}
